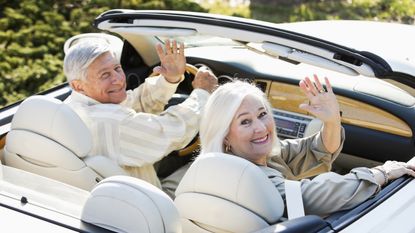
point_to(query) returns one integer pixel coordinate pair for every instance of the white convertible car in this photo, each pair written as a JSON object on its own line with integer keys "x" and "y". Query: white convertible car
{"x": 50, "y": 184}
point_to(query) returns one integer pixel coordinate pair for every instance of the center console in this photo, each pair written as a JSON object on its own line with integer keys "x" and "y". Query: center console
{"x": 290, "y": 125}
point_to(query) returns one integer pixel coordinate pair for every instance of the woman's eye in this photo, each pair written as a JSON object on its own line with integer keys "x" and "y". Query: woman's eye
{"x": 262, "y": 114}
{"x": 245, "y": 122}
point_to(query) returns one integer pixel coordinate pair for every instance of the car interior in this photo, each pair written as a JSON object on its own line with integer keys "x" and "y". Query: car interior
{"x": 373, "y": 112}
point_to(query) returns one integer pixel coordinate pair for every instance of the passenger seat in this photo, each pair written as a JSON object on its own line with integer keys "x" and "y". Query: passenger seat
{"x": 48, "y": 138}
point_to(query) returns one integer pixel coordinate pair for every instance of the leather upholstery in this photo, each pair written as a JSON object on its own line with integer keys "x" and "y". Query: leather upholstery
{"x": 225, "y": 193}
{"x": 48, "y": 138}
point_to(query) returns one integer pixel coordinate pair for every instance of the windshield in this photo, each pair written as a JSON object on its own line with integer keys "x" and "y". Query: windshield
{"x": 201, "y": 41}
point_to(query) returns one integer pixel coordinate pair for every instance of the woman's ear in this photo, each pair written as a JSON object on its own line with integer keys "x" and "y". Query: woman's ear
{"x": 76, "y": 85}
{"x": 226, "y": 141}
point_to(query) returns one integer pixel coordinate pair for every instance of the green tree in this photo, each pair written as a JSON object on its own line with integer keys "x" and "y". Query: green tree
{"x": 33, "y": 32}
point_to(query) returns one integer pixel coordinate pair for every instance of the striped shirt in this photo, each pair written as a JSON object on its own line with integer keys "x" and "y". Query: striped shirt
{"x": 138, "y": 132}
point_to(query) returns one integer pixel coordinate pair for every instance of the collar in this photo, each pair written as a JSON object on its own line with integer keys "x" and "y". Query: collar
{"x": 79, "y": 97}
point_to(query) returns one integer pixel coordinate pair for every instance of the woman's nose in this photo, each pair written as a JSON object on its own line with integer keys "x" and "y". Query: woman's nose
{"x": 259, "y": 126}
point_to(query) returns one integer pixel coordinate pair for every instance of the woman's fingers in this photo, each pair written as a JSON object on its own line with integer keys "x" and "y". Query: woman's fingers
{"x": 328, "y": 85}
{"x": 317, "y": 84}
{"x": 174, "y": 48}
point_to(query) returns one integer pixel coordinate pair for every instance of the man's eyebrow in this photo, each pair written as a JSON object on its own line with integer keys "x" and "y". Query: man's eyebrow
{"x": 103, "y": 70}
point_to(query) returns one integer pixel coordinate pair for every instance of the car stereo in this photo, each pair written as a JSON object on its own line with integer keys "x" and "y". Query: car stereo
{"x": 290, "y": 125}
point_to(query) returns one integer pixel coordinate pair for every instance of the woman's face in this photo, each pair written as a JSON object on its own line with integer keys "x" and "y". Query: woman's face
{"x": 251, "y": 132}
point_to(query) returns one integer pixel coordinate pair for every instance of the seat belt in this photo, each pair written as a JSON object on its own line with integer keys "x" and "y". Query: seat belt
{"x": 294, "y": 199}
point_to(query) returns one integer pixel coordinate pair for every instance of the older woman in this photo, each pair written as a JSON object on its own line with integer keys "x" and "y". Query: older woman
{"x": 245, "y": 128}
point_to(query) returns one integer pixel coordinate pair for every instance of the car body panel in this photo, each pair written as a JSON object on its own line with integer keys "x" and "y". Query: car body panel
{"x": 42, "y": 204}
{"x": 397, "y": 210}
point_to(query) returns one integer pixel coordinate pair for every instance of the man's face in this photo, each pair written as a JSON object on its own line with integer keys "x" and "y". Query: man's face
{"x": 105, "y": 80}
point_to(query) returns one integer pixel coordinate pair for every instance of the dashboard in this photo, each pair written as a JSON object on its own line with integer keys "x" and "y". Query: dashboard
{"x": 369, "y": 121}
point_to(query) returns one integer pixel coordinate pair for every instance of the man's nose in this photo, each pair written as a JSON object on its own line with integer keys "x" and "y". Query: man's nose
{"x": 117, "y": 77}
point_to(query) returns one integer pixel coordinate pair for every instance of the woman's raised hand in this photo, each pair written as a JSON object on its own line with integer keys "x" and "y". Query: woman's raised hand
{"x": 322, "y": 103}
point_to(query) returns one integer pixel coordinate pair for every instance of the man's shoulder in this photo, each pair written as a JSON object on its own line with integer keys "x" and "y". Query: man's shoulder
{"x": 86, "y": 107}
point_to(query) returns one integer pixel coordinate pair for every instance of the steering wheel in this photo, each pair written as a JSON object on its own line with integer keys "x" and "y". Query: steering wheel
{"x": 178, "y": 158}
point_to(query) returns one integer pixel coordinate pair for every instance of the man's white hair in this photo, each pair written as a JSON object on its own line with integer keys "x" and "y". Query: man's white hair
{"x": 80, "y": 57}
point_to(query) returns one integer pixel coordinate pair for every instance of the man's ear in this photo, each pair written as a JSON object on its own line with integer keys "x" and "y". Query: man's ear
{"x": 77, "y": 85}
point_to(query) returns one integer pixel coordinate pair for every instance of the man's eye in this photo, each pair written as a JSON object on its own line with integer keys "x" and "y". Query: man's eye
{"x": 105, "y": 75}
{"x": 118, "y": 68}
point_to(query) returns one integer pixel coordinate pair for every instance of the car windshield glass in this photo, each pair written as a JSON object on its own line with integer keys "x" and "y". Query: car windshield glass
{"x": 202, "y": 40}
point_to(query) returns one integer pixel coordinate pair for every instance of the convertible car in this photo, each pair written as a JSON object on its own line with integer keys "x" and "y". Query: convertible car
{"x": 48, "y": 181}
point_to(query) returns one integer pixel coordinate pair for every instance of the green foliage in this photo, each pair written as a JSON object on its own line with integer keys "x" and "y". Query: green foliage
{"x": 402, "y": 11}
{"x": 224, "y": 8}
{"x": 32, "y": 32}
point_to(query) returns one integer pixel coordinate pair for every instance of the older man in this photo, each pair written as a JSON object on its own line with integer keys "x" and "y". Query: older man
{"x": 131, "y": 127}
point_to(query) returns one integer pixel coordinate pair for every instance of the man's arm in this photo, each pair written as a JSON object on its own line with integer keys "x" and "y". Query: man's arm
{"x": 154, "y": 93}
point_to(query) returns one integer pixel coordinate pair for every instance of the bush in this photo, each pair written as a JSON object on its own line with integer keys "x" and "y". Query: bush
{"x": 33, "y": 32}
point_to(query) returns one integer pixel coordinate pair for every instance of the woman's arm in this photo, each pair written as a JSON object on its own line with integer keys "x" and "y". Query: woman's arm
{"x": 323, "y": 104}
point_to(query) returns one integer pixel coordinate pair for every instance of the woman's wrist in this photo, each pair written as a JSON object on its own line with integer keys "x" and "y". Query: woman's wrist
{"x": 381, "y": 176}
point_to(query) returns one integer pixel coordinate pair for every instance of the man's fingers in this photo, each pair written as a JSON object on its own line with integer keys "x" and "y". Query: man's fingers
{"x": 168, "y": 46}
{"x": 181, "y": 48}
{"x": 157, "y": 69}
{"x": 160, "y": 52}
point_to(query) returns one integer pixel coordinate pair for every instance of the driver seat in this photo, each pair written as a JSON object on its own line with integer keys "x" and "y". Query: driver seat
{"x": 48, "y": 138}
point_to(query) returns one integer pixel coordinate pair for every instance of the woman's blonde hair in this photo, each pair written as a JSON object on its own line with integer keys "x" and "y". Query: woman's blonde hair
{"x": 220, "y": 110}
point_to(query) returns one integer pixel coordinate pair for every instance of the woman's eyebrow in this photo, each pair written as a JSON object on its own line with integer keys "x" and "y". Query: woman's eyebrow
{"x": 246, "y": 113}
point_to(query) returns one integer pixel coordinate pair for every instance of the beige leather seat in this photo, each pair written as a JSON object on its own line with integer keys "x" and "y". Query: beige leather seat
{"x": 224, "y": 193}
{"x": 127, "y": 204}
{"x": 49, "y": 139}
